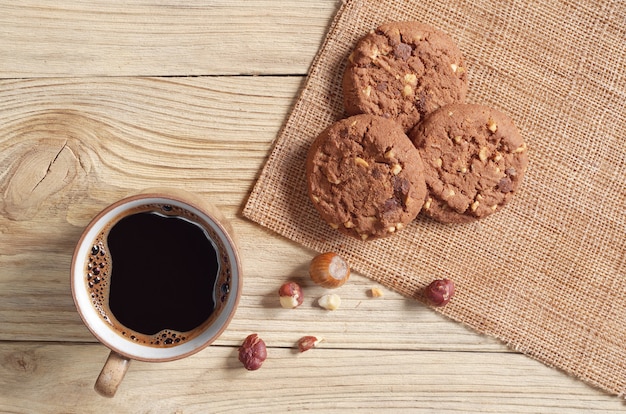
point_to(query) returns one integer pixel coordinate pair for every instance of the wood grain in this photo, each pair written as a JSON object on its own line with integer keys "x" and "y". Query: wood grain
{"x": 92, "y": 141}
{"x": 50, "y": 378}
{"x": 160, "y": 38}
{"x": 82, "y": 124}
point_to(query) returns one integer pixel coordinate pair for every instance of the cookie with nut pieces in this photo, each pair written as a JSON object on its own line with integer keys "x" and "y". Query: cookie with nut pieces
{"x": 474, "y": 159}
{"x": 403, "y": 71}
{"x": 365, "y": 177}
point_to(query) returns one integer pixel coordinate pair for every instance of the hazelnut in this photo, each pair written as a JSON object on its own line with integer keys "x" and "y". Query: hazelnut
{"x": 521, "y": 148}
{"x": 376, "y": 292}
{"x": 290, "y": 295}
{"x": 427, "y": 203}
{"x": 360, "y": 161}
{"x": 329, "y": 270}
{"x": 375, "y": 53}
{"x": 482, "y": 154}
{"x": 329, "y": 302}
{"x": 407, "y": 91}
{"x": 439, "y": 292}
{"x": 252, "y": 352}
{"x": 492, "y": 126}
{"x": 410, "y": 78}
{"x": 351, "y": 57}
{"x": 307, "y": 342}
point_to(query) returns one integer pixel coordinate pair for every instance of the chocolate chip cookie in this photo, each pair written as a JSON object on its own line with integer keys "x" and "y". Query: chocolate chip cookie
{"x": 474, "y": 160}
{"x": 403, "y": 71}
{"x": 365, "y": 177}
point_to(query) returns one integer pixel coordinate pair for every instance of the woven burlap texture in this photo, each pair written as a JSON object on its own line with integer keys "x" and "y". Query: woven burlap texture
{"x": 547, "y": 274}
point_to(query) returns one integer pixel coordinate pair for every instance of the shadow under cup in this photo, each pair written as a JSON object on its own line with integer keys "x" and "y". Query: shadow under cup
{"x": 94, "y": 261}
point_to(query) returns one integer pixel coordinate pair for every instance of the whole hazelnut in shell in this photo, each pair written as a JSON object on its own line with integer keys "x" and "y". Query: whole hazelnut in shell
{"x": 329, "y": 270}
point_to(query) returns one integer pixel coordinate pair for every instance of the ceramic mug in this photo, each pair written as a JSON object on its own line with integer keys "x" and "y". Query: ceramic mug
{"x": 161, "y": 242}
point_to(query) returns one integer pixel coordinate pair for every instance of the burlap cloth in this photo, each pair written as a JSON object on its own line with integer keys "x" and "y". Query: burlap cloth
{"x": 547, "y": 274}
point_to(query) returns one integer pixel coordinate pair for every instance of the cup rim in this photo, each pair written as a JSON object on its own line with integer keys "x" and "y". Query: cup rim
{"x": 104, "y": 333}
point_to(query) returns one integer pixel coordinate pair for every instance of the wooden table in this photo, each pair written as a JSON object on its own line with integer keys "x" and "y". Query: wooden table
{"x": 99, "y": 99}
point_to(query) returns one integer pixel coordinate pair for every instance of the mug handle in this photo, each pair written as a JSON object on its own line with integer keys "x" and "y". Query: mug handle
{"x": 112, "y": 374}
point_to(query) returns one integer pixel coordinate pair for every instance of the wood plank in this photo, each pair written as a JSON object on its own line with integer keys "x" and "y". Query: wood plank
{"x": 51, "y": 378}
{"x": 68, "y": 147}
{"x": 154, "y": 38}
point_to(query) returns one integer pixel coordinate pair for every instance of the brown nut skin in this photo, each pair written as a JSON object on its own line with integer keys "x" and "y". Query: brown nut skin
{"x": 439, "y": 292}
{"x": 291, "y": 295}
{"x": 308, "y": 342}
{"x": 252, "y": 352}
{"x": 329, "y": 270}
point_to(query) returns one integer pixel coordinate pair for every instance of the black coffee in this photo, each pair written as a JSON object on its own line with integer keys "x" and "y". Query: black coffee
{"x": 157, "y": 275}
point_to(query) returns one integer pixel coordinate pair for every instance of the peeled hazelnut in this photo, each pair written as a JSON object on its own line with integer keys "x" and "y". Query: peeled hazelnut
{"x": 360, "y": 161}
{"x": 482, "y": 154}
{"x": 307, "y": 342}
{"x": 410, "y": 78}
{"x": 252, "y": 352}
{"x": 290, "y": 295}
{"x": 329, "y": 270}
{"x": 521, "y": 148}
{"x": 329, "y": 302}
{"x": 376, "y": 292}
{"x": 439, "y": 292}
{"x": 407, "y": 90}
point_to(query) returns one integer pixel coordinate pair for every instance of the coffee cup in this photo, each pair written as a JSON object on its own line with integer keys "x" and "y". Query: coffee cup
{"x": 155, "y": 277}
